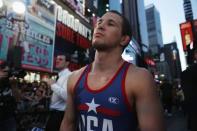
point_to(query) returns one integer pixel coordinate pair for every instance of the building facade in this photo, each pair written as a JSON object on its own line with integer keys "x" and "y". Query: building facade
{"x": 154, "y": 29}
{"x": 188, "y": 10}
{"x": 171, "y": 53}
{"x": 134, "y": 11}
{"x": 189, "y": 32}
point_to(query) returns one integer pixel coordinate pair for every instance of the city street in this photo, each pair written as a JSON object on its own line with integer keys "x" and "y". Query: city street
{"x": 177, "y": 122}
{"x": 103, "y": 42}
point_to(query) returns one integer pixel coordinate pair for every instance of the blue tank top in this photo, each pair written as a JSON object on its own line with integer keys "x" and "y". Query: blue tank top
{"x": 106, "y": 109}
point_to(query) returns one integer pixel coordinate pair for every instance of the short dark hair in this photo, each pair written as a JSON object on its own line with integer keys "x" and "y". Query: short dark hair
{"x": 126, "y": 27}
{"x": 67, "y": 56}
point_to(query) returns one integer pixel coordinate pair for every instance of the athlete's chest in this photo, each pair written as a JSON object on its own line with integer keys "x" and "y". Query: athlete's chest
{"x": 97, "y": 81}
{"x": 99, "y": 110}
{"x": 108, "y": 95}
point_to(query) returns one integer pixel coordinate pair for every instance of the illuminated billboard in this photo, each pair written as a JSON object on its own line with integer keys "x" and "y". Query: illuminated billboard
{"x": 186, "y": 34}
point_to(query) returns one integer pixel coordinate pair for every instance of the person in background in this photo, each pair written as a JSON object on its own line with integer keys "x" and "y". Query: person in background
{"x": 59, "y": 93}
{"x": 189, "y": 85}
{"x": 110, "y": 94}
{"x": 7, "y": 101}
{"x": 167, "y": 96}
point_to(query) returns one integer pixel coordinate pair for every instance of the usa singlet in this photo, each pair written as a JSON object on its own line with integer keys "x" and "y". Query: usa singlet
{"x": 106, "y": 109}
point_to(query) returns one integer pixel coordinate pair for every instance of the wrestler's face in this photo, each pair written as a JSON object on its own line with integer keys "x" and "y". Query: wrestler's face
{"x": 108, "y": 32}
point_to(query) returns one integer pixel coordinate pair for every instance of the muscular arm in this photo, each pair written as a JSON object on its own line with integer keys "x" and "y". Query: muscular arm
{"x": 69, "y": 120}
{"x": 148, "y": 106}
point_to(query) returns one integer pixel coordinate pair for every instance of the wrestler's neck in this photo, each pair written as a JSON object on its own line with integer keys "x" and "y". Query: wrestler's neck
{"x": 106, "y": 61}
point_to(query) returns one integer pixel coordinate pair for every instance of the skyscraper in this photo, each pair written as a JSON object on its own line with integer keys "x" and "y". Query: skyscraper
{"x": 171, "y": 53}
{"x": 154, "y": 29}
{"x": 188, "y": 10}
{"x": 134, "y": 11}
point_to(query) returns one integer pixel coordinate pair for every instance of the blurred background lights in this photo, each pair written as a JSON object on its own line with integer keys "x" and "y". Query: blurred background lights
{"x": 1, "y": 3}
{"x": 18, "y": 7}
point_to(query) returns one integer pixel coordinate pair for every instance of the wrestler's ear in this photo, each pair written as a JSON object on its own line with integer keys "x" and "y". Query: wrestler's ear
{"x": 125, "y": 40}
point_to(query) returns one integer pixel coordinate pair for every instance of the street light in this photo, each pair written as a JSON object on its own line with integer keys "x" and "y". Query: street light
{"x": 1, "y": 3}
{"x": 18, "y": 7}
{"x": 2, "y": 9}
{"x": 18, "y": 18}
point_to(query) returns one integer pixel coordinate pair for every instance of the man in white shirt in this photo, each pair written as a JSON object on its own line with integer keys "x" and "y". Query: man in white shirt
{"x": 59, "y": 95}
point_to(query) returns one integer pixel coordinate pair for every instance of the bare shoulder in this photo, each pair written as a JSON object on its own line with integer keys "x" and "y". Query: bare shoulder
{"x": 74, "y": 77}
{"x": 77, "y": 73}
{"x": 139, "y": 73}
{"x": 139, "y": 78}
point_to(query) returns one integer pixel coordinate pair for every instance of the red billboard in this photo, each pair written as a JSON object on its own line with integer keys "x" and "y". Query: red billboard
{"x": 186, "y": 34}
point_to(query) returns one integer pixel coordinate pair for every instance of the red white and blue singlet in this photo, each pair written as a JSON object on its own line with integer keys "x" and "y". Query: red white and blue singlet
{"x": 106, "y": 109}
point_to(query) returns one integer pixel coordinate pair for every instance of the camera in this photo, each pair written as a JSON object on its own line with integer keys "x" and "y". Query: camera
{"x": 19, "y": 73}
{"x": 12, "y": 71}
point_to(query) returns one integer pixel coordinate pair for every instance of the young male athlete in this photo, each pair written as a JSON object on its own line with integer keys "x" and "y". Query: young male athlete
{"x": 111, "y": 94}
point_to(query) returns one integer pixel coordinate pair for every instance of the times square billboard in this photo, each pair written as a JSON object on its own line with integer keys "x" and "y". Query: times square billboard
{"x": 43, "y": 34}
{"x": 188, "y": 34}
{"x": 33, "y": 31}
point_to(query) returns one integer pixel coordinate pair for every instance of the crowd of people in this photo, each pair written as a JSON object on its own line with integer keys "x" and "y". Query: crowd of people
{"x": 31, "y": 96}
{"x": 171, "y": 96}
{"x": 32, "y": 104}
